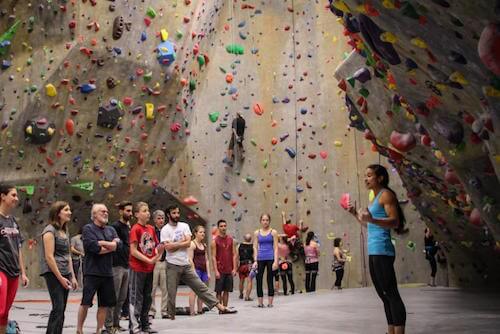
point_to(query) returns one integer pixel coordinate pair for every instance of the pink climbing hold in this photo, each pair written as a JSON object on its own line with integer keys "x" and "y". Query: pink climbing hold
{"x": 175, "y": 127}
{"x": 450, "y": 177}
{"x": 403, "y": 142}
{"x": 475, "y": 217}
{"x": 190, "y": 200}
{"x": 258, "y": 109}
{"x": 323, "y": 154}
{"x": 488, "y": 47}
{"x": 345, "y": 199}
{"x": 128, "y": 101}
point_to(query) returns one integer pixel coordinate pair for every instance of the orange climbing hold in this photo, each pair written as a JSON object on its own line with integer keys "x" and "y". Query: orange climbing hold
{"x": 229, "y": 77}
{"x": 70, "y": 126}
{"x": 258, "y": 109}
{"x": 190, "y": 200}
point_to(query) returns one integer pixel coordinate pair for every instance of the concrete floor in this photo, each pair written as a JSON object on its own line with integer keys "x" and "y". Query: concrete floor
{"x": 430, "y": 310}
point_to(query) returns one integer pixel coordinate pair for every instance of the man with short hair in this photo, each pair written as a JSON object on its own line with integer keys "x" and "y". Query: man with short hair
{"x": 237, "y": 136}
{"x": 176, "y": 237}
{"x": 120, "y": 266}
{"x": 160, "y": 271}
{"x": 245, "y": 261}
{"x": 224, "y": 258}
{"x": 99, "y": 243}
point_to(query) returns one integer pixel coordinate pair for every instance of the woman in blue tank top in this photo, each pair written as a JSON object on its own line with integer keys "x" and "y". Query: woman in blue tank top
{"x": 265, "y": 245}
{"x": 383, "y": 214}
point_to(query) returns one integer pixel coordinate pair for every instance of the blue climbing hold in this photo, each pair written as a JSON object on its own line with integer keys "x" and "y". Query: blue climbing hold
{"x": 87, "y": 88}
{"x": 291, "y": 152}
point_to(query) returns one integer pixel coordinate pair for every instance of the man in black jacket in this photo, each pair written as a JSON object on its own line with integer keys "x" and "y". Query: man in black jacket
{"x": 99, "y": 243}
{"x": 120, "y": 266}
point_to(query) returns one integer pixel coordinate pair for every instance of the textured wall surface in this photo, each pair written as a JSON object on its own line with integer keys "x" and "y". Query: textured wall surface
{"x": 290, "y": 52}
{"x": 423, "y": 78}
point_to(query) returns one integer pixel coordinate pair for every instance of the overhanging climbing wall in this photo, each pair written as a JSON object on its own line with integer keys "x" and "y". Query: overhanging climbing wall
{"x": 110, "y": 100}
{"x": 424, "y": 78}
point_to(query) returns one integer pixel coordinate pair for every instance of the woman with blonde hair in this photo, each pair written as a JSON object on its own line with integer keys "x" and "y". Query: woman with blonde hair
{"x": 56, "y": 264}
{"x": 199, "y": 260}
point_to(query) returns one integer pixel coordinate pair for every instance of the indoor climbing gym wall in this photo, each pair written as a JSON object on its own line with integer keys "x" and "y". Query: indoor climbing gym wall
{"x": 423, "y": 82}
{"x": 109, "y": 100}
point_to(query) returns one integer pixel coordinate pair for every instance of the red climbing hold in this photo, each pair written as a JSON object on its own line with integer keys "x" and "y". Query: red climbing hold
{"x": 489, "y": 47}
{"x": 403, "y": 142}
{"x": 345, "y": 199}
{"x": 450, "y": 177}
{"x": 70, "y": 126}
{"x": 475, "y": 217}
{"x": 323, "y": 154}
{"x": 175, "y": 127}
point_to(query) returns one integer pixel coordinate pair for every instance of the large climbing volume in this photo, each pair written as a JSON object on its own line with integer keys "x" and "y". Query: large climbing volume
{"x": 6, "y": 38}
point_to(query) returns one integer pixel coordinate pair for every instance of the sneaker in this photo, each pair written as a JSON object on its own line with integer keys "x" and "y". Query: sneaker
{"x": 148, "y": 329}
{"x": 164, "y": 316}
{"x": 228, "y": 311}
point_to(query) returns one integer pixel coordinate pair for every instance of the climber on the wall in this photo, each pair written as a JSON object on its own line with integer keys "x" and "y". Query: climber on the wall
{"x": 237, "y": 136}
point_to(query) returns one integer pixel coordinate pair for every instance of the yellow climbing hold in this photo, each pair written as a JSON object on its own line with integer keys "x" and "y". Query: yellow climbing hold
{"x": 121, "y": 164}
{"x": 50, "y": 90}
{"x": 106, "y": 185}
{"x": 330, "y": 235}
{"x": 389, "y": 4}
{"x": 497, "y": 158}
{"x": 341, "y": 5}
{"x": 149, "y": 111}
{"x": 29, "y": 130}
{"x": 418, "y": 42}
{"x": 388, "y": 37}
{"x": 50, "y": 131}
{"x": 337, "y": 143}
{"x": 164, "y": 35}
{"x": 491, "y": 91}
{"x": 458, "y": 77}
{"x": 438, "y": 155}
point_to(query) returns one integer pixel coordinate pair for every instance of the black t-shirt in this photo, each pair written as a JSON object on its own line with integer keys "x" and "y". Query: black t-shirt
{"x": 120, "y": 256}
{"x": 10, "y": 243}
{"x": 246, "y": 252}
{"x": 97, "y": 264}
{"x": 158, "y": 233}
{"x": 239, "y": 126}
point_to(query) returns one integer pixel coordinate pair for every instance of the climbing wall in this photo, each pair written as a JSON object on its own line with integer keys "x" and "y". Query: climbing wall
{"x": 424, "y": 79}
{"x": 111, "y": 100}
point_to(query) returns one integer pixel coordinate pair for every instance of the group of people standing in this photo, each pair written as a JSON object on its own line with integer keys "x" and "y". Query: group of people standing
{"x": 135, "y": 260}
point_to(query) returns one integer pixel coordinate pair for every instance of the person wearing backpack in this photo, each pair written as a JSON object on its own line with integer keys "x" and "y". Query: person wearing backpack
{"x": 383, "y": 214}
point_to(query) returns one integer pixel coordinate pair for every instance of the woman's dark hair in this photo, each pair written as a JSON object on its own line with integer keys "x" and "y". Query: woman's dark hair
{"x": 309, "y": 237}
{"x": 381, "y": 171}
{"x": 54, "y": 211}
{"x": 6, "y": 188}
{"x": 336, "y": 242}
{"x": 171, "y": 208}
{"x": 121, "y": 205}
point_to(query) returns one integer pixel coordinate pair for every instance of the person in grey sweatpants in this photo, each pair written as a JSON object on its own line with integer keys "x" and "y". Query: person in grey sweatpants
{"x": 176, "y": 237}
{"x": 120, "y": 266}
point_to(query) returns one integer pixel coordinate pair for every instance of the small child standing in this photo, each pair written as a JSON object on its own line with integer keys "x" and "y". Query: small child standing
{"x": 145, "y": 250}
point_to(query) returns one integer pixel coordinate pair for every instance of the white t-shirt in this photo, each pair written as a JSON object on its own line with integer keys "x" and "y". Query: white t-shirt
{"x": 171, "y": 233}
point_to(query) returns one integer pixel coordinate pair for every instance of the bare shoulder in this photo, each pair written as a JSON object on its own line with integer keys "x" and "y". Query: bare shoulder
{"x": 274, "y": 232}
{"x": 387, "y": 197}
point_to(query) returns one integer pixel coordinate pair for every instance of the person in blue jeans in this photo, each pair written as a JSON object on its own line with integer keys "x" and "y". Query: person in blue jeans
{"x": 265, "y": 252}
{"x": 382, "y": 215}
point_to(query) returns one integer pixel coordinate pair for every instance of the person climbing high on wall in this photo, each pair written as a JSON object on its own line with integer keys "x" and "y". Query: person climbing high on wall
{"x": 383, "y": 214}
{"x": 237, "y": 136}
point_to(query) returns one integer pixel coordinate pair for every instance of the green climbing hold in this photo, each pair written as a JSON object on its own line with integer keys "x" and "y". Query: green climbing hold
{"x": 264, "y": 163}
{"x": 351, "y": 81}
{"x": 179, "y": 35}
{"x": 410, "y": 11}
{"x": 222, "y": 70}
{"x": 364, "y": 92}
{"x": 411, "y": 245}
{"x": 192, "y": 85}
{"x": 250, "y": 179}
{"x": 214, "y": 116}
{"x": 6, "y": 38}
{"x": 87, "y": 186}
{"x": 253, "y": 142}
{"x": 151, "y": 12}
{"x": 201, "y": 60}
{"x": 148, "y": 76}
{"x": 235, "y": 49}
{"x": 29, "y": 189}
{"x": 223, "y": 125}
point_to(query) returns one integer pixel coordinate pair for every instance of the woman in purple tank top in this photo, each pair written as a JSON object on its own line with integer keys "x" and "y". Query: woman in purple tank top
{"x": 265, "y": 246}
{"x": 199, "y": 260}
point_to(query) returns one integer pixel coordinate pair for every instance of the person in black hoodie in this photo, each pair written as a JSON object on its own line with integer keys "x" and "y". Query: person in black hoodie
{"x": 120, "y": 266}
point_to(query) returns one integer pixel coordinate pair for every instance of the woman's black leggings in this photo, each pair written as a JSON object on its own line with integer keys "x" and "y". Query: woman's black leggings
{"x": 59, "y": 298}
{"x": 339, "y": 273}
{"x": 311, "y": 273}
{"x": 384, "y": 280}
{"x": 287, "y": 274}
{"x": 432, "y": 261}
{"x": 268, "y": 265}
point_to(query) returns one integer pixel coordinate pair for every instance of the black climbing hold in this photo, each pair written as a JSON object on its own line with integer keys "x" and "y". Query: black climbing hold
{"x": 371, "y": 33}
